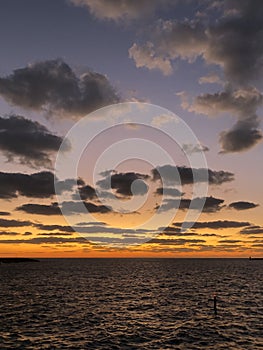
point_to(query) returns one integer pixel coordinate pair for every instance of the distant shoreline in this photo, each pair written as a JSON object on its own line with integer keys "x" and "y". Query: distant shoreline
{"x": 16, "y": 260}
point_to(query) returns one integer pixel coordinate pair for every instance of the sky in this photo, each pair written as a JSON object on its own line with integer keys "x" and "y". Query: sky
{"x": 131, "y": 129}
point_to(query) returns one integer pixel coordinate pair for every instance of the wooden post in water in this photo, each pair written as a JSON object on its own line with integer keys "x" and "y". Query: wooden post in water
{"x": 215, "y": 307}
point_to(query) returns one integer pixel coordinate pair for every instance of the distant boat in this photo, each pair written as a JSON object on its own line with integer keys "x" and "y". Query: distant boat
{"x": 250, "y": 258}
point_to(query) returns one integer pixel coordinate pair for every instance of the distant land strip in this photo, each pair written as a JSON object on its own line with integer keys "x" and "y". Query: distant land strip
{"x": 16, "y": 260}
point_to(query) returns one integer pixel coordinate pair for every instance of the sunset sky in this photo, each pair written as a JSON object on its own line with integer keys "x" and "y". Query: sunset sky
{"x": 63, "y": 60}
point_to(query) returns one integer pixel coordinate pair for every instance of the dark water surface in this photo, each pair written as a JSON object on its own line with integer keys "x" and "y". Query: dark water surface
{"x": 131, "y": 304}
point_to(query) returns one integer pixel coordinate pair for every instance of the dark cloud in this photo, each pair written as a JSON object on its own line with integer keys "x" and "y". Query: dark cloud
{"x": 71, "y": 208}
{"x": 91, "y": 223}
{"x": 230, "y": 247}
{"x": 8, "y": 233}
{"x": 126, "y": 232}
{"x": 241, "y": 205}
{"x": 169, "y": 191}
{"x": 27, "y": 233}
{"x": 213, "y": 224}
{"x": 84, "y": 191}
{"x": 60, "y": 228}
{"x": 243, "y": 103}
{"x": 37, "y": 185}
{"x": 257, "y": 245}
{"x": 94, "y": 228}
{"x": 14, "y": 223}
{"x": 232, "y": 40}
{"x": 205, "y": 204}
{"x": 229, "y": 241}
{"x": 44, "y": 240}
{"x": 125, "y": 184}
{"x": 175, "y": 231}
{"x": 252, "y": 230}
{"x": 4, "y": 213}
{"x": 230, "y": 36}
{"x": 241, "y": 137}
{"x": 54, "y": 234}
{"x": 165, "y": 249}
{"x": 173, "y": 174}
{"x": 40, "y": 209}
{"x": 179, "y": 241}
{"x": 54, "y": 87}
{"x": 115, "y": 240}
{"x": 210, "y": 235}
{"x": 27, "y": 140}
{"x": 211, "y": 204}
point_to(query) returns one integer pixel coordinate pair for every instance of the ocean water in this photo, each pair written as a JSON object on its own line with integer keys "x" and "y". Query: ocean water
{"x": 132, "y": 304}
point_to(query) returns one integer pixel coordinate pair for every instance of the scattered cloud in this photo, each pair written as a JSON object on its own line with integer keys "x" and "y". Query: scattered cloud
{"x": 125, "y": 232}
{"x": 8, "y": 233}
{"x": 14, "y": 223}
{"x": 186, "y": 175}
{"x": 242, "y": 136}
{"x": 175, "y": 241}
{"x": 27, "y": 233}
{"x": 37, "y": 185}
{"x": 206, "y": 204}
{"x": 169, "y": 191}
{"x": 209, "y": 235}
{"x": 40, "y": 209}
{"x": 176, "y": 231}
{"x": 163, "y": 119}
{"x": 252, "y": 230}
{"x": 91, "y": 223}
{"x": 144, "y": 56}
{"x": 125, "y": 184}
{"x": 171, "y": 40}
{"x": 54, "y": 234}
{"x": 52, "y": 86}
{"x": 219, "y": 224}
{"x": 27, "y": 140}
{"x": 229, "y": 241}
{"x": 243, "y": 103}
{"x": 191, "y": 149}
{"x": 211, "y": 78}
{"x": 230, "y": 41}
{"x": 71, "y": 208}
{"x": 242, "y": 205}
{"x": 61, "y": 228}
{"x": 121, "y": 9}
{"x": 45, "y": 240}
{"x": 4, "y": 213}
{"x": 85, "y": 192}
